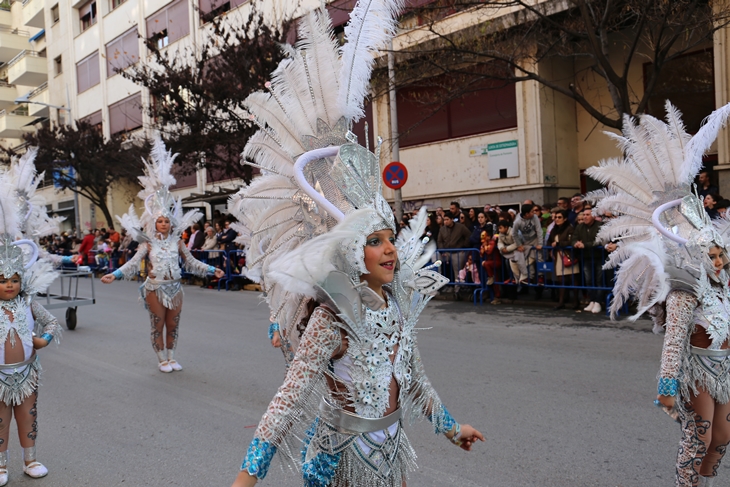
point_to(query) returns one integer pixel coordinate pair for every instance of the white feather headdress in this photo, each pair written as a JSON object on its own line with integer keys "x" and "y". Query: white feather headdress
{"x": 320, "y": 192}
{"x": 661, "y": 228}
{"x": 158, "y": 201}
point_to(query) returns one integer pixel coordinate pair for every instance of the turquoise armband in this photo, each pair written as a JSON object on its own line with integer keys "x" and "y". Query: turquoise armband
{"x": 667, "y": 387}
{"x": 258, "y": 458}
{"x": 118, "y": 274}
{"x": 47, "y": 337}
{"x": 66, "y": 259}
{"x": 272, "y": 328}
{"x": 211, "y": 269}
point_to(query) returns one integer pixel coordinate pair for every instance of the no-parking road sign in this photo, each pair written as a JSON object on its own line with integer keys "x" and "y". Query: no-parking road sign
{"x": 395, "y": 175}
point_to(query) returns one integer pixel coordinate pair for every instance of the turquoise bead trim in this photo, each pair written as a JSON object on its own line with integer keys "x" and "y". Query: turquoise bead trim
{"x": 258, "y": 458}
{"x": 667, "y": 387}
{"x": 47, "y": 337}
{"x": 272, "y": 328}
{"x": 118, "y": 274}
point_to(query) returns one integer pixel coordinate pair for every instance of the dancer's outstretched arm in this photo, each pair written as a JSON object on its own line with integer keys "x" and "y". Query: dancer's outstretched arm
{"x": 194, "y": 266}
{"x": 680, "y": 309}
{"x": 130, "y": 269}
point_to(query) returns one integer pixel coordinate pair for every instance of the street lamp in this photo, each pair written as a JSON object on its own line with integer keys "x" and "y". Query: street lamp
{"x": 26, "y": 99}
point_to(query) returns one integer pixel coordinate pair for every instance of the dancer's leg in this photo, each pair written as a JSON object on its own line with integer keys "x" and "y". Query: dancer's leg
{"x": 172, "y": 326}
{"x": 158, "y": 313}
{"x": 6, "y": 414}
{"x": 719, "y": 442}
{"x": 26, "y": 416}
{"x": 696, "y": 418}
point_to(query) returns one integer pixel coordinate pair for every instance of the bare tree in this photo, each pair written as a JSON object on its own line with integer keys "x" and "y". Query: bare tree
{"x": 511, "y": 39}
{"x": 97, "y": 163}
{"x": 197, "y": 96}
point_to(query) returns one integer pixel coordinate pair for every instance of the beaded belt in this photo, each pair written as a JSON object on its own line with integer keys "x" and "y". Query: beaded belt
{"x": 725, "y": 352}
{"x": 348, "y": 422}
{"x": 19, "y": 364}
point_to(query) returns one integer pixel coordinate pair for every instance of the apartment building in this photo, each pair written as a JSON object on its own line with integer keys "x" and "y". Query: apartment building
{"x": 500, "y": 145}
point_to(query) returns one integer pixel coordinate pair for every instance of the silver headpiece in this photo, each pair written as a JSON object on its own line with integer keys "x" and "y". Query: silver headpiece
{"x": 663, "y": 232}
{"x": 158, "y": 201}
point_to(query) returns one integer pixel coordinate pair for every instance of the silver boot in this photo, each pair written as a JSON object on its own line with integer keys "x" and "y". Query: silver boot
{"x": 3, "y": 468}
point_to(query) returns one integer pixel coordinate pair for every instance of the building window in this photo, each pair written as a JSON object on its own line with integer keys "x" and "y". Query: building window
{"x": 209, "y": 9}
{"x": 58, "y": 65}
{"x": 126, "y": 115}
{"x": 425, "y": 113}
{"x": 55, "y": 16}
{"x": 169, "y": 24}
{"x": 122, "y": 52}
{"x": 116, "y": 3}
{"x": 87, "y": 15}
{"x": 87, "y": 72}
{"x": 94, "y": 120}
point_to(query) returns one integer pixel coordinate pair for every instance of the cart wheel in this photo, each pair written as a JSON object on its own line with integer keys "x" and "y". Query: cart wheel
{"x": 71, "y": 318}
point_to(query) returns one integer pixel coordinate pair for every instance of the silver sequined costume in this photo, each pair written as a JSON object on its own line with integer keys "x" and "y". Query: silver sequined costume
{"x": 305, "y": 223}
{"x": 663, "y": 257}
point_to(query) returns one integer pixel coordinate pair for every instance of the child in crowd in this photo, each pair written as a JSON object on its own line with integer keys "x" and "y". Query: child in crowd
{"x": 491, "y": 261}
{"x": 511, "y": 249}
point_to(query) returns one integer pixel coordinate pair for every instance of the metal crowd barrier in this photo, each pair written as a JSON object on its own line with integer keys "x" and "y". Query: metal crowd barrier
{"x": 546, "y": 268}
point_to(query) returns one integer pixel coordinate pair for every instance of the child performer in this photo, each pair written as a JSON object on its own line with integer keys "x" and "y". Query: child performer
{"x": 159, "y": 232}
{"x": 322, "y": 232}
{"x": 20, "y": 279}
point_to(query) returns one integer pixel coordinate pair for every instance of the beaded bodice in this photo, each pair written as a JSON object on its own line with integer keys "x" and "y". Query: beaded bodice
{"x": 383, "y": 351}
{"x": 14, "y": 316}
{"x": 163, "y": 255}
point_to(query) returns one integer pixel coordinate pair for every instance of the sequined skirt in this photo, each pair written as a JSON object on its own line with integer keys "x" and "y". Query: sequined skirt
{"x": 331, "y": 458}
{"x": 169, "y": 292}
{"x": 708, "y": 373}
{"x": 18, "y": 381}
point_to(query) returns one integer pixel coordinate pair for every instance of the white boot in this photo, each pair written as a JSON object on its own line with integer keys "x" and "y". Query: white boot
{"x": 164, "y": 365}
{"x": 170, "y": 360}
{"x": 3, "y": 468}
{"x": 589, "y": 307}
{"x": 34, "y": 469}
{"x": 707, "y": 481}
{"x": 596, "y": 308}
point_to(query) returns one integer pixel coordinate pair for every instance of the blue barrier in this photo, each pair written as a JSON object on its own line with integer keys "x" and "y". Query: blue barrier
{"x": 471, "y": 268}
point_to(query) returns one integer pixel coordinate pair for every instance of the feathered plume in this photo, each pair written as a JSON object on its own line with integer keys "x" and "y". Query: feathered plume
{"x": 9, "y": 218}
{"x": 372, "y": 24}
{"x": 158, "y": 171}
{"x": 702, "y": 141}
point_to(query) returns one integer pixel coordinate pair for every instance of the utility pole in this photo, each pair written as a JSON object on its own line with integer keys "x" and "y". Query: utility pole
{"x": 395, "y": 144}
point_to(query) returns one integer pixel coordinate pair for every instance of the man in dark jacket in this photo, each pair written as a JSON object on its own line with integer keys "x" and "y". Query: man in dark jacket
{"x": 453, "y": 235}
{"x": 584, "y": 240}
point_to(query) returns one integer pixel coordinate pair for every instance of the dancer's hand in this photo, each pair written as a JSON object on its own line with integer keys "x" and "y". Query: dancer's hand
{"x": 276, "y": 340}
{"x": 244, "y": 480}
{"x": 39, "y": 343}
{"x": 219, "y": 273}
{"x": 666, "y": 401}
{"x": 108, "y": 279}
{"x": 469, "y": 436}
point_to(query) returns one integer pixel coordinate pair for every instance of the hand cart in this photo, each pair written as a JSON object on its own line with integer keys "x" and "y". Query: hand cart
{"x": 68, "y": 297}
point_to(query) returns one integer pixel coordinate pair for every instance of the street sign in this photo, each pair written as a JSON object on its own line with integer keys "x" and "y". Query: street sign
{"x": 395, "y": 175}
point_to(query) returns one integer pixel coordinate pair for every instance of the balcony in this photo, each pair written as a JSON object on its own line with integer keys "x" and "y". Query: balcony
{"x": 6, "y": 18}
{"x": 39, "y": 95}
{"x": 28, "y": 69}
{"x": 33, "y": 15}
{"x": 8, "y": 94}
{"x": 13, "y": 126}
{"x": 12, "y": 43}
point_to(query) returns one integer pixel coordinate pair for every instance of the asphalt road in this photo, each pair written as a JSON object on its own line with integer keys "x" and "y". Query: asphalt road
{"x": 564, "y": 398}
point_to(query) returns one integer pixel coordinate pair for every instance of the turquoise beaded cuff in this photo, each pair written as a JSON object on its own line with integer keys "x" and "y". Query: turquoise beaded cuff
{"x": 667, "y": 387}
{"x": 258, "y": 458}
{"x": 47, "y": 337}
{"x": 442, "y": 420}
{"x": 272, "y": 328}
{"x": 211, "y": 269}
{"x": 66, "y": 259}
{"x": 118, "y": 274}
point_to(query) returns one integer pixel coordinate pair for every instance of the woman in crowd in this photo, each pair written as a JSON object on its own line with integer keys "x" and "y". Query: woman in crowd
{"x": 566, "y": 266}
{"x": 159, "y": 233}
{"x": 710, "y": 202}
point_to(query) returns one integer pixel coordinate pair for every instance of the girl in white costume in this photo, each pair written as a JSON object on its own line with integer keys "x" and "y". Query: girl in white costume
{"x": 21, "y": 277}
{"x": 319, "y": 229}
{"x": 158, "y": 233}
{"x": 673, "y": 260}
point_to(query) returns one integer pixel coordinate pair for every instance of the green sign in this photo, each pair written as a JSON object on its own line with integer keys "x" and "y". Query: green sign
{"x": 502, "y": 145}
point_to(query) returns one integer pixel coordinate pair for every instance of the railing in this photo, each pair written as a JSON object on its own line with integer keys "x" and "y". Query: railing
{"x": 8, "y": 30}
{"x": 21, "y": 55}
{"x": 38, "y": 90}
